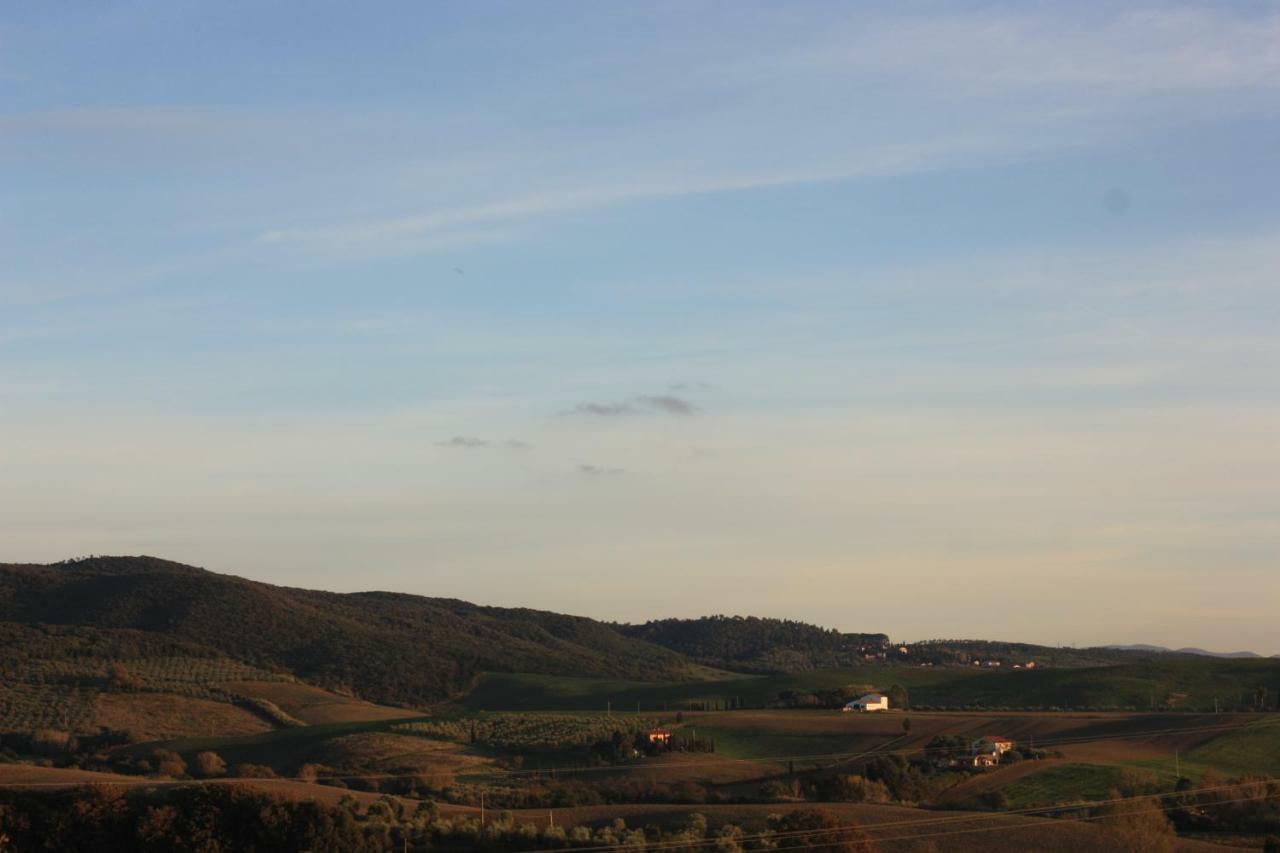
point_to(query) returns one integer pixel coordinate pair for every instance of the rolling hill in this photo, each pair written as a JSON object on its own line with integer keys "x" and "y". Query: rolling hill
{"x": 196, "y": 633}
{"x": 382, "y": 646}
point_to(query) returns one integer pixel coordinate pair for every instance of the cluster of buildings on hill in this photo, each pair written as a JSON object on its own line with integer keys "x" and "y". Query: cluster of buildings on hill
{"x": 986, "y": 751}
{"x": 996, "y": 663}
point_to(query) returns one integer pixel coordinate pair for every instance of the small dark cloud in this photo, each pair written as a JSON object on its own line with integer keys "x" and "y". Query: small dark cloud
{"x": 669, "y": 404}
{"x": 604, "y": 410}
{"x": 663, "y": 403}
{"x": 470, "y": 442}
{"x": 463, "y": 441}
{"x": 599, "y": 471}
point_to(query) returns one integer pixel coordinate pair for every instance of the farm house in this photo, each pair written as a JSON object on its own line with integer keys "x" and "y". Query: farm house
{"x": 869, "y": 702}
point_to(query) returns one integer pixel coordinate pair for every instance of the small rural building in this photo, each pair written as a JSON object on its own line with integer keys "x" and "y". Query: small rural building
{"x": 869, "y": 702}
{"x": 992, "y": 744}
{"x": 985, "y": 759}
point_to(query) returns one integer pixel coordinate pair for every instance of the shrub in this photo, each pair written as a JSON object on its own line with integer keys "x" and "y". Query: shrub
{"x": 209, "y": 765}
{"x": 255, "y": 771}
{"x": 168, "y": 763}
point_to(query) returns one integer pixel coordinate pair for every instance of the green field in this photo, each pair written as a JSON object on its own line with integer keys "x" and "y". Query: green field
{"x": 1177, "y": 684}
{"x": 1064, "y": 783}
{"x": 520, "y": 692}
{"x": 1255, "y": 749}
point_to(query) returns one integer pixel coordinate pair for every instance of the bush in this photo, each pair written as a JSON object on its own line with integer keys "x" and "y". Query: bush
{"x": 837, "y": 835}
{"x": 775, "y": 791}
{"x": 209, "y": 765}
{"x": 168, "y": 763}
{"x": 255, "y": 771}
{"x": 853, "y": 789}
{"x": 1137, "y": 824}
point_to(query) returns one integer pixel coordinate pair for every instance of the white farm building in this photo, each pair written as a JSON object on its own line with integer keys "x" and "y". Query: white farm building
{"x": 870, "y": 702}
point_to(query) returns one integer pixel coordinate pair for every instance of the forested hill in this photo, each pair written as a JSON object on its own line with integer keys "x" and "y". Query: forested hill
{"x": 385, "y": 647}
{"x": 753, "y": 643}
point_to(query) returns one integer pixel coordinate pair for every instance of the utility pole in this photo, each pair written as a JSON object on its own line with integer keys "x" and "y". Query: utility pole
{"x": 608, "y": 709}
{"x": 1177, "y": 764}
{"x": 482, "y": 808}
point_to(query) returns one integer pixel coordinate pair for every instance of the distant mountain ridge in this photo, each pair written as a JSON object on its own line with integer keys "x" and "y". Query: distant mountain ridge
{"x": 1188, "y": 650}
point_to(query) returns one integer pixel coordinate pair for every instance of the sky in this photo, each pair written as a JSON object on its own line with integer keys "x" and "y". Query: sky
{"x": 935, "y": 320}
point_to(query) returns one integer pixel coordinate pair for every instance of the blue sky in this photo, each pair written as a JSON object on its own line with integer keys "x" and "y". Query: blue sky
{"x": 866, "y": 315}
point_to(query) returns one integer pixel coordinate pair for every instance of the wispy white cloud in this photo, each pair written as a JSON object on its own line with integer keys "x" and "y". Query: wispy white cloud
{"x": 1121, "y": 52}
{"x": 939, "y": 92}
{"x": 497, "y": 220}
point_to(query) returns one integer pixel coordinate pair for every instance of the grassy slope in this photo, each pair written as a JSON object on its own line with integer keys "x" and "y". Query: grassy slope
{"x": 1252, "y": 750}
{"x": 315, "y": 706}
{"x": 1062, "y": 783}
{"x": 152, "y": 716}
{"x": 282, "y": 749}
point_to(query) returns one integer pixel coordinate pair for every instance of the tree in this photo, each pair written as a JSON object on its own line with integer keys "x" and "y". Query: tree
{"x": 898, "y": 697}
{"x": 168, "y": 763}
{"x": 210, "y": 764}
{"x": 821, "y": 832}
{"x": 852, "y": 789}
{"x": 1138, "y": 825}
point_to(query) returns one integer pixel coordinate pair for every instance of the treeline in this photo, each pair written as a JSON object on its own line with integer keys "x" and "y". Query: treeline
{"x": 947, "y": 652}
{"x": 838, "y": 697}
{"x": 230, "y": 819}
{"x": 754, "y": 643}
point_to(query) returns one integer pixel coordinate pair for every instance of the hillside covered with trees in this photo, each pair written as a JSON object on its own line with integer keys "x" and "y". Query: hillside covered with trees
{"x": 382, "y": 646}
